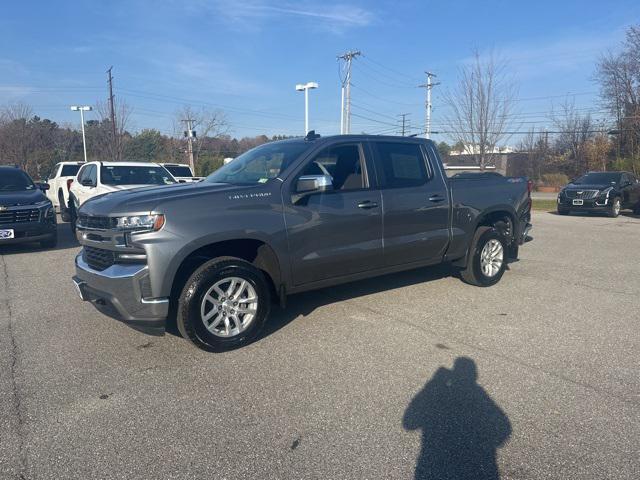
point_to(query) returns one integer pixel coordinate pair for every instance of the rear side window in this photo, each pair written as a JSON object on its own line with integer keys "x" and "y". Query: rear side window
{"x": 69, "y": 170}
{"x": 400, "y": 165}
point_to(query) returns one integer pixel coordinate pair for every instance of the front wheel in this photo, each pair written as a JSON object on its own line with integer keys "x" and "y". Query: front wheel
{"x": 486, "y": 262}
{"x": 64, "y": 211}
{"x": 615, "y": 207}
{"x": 223, "y": 305}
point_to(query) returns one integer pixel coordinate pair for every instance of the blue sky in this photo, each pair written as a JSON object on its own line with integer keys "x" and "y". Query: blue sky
{"x": 245, "y": 57}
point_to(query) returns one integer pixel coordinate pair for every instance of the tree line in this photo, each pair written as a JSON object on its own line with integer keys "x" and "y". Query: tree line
{"x": 483, "y": 116}
{"x": 36, "y": 144}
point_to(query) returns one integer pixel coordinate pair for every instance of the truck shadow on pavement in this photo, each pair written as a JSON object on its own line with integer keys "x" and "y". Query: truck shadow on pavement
{"x": 66, "y": 240}
{"x": 303, "y": 304}
{"x": 462, "y": 427}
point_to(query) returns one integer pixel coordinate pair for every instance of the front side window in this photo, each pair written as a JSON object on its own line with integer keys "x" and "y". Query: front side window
{"x": 260, "y": 164}
{"x": 15, "y": 181}
{"x": 401, "y": 164}
{"x": 82, "y": 174}
{"x": 343, "y": 163}
{"x": 135, "y": 175}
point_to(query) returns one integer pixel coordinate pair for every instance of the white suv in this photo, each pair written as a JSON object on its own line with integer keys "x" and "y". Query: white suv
{"x": 97, "y": 178}
{"x": 59, "y": 181}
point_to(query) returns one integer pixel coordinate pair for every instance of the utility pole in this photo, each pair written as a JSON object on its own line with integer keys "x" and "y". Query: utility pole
{"x": 345, "y": 115}
{"x": 429, "y": 85}
{"x": 404, "y": 123}
{"x": 190, "y": 134}
{"x": 112, "y": 115}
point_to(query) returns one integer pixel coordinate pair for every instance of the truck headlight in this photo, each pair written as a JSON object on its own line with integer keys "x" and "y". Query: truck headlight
{"x": 140, "y": 223}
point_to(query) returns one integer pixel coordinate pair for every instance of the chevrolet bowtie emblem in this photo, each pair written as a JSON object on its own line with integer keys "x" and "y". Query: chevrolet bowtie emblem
{"x": 3, "y": 208}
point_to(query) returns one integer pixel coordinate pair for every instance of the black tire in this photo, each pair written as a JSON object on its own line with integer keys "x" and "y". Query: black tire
{"x": 50, "y": 242}
{"x": 473, "y": 273}
{"x": 72, "y": 215}
{"x": 189, "y": 319}
{"x": 563, "y": 211}
{"x": 64, "y": 211}
{"x": 614, "y": 211}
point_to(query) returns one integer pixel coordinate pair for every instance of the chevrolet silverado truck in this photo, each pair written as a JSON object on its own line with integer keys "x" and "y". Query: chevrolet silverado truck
{"x": 286, "y": 217}
{"x": 26, "y": 214}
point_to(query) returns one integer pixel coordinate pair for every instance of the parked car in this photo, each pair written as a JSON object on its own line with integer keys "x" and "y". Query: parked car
{"x": 59, "y": 181}
{"x": 286, "y": 217}
{"x": 605, "y": 192}
{"x": 98, "y": 178}
{"x": 26, "y": 214}
{"x": 181, "y": 172}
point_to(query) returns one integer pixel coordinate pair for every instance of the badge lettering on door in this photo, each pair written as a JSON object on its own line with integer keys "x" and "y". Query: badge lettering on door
{"x": 244, "y": 196}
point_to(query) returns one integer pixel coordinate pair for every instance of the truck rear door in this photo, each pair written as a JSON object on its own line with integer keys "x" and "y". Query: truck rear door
{"x": 415, "y": 203}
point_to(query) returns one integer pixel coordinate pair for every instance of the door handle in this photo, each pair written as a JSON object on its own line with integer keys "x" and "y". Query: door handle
{"x": 436, "y": 198}
{"x": 367, "y": 204}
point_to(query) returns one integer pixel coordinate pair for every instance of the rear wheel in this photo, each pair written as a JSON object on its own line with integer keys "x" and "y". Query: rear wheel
{"x": 486, "y": 262}
{"x": 223, "y": 305}
{"x": 615, "y": 207}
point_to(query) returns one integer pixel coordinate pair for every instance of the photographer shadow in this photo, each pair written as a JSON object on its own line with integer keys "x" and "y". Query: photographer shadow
{"x": 462, "y": 427}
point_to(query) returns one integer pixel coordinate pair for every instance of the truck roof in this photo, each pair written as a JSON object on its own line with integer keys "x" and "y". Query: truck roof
{"x": 127, "y": 164}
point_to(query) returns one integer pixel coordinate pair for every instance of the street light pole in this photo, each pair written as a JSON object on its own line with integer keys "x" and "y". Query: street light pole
{"x": 82, "y": 109}
{"x": 306, "y": 87}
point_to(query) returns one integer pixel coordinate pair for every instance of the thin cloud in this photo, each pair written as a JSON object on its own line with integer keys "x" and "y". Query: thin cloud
{"x": 335, "y": 17}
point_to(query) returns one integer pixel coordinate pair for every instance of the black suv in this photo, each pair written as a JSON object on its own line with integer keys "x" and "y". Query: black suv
{"x": 606, "y": 192}
{"x": 26, "y": 214}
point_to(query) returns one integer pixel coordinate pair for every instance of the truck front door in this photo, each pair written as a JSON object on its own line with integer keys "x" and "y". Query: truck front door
{"x": 337, "y": 232}
{"x": 416, "y": 203}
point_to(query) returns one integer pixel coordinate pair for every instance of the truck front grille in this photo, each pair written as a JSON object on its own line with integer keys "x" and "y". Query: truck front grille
{"x": 98, "y": 258}
{"x": 583, "y": 194}
{"x": 19, "y": 216}
{"x": 97, "y": 222}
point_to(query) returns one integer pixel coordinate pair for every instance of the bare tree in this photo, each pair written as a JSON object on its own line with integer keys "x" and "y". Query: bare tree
{"x": 114, "y": 147}
{"x": 481, "y": 107}
{"x": 575, "y": 131}
{"x": 618, "y": 75}
{"x": 207, "y": 123}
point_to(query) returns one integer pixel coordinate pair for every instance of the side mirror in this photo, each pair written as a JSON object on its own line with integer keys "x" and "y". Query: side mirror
{"x": 43, "y": 186}
{"x": 314, "y": 184}
{"x": 87, "y": 182}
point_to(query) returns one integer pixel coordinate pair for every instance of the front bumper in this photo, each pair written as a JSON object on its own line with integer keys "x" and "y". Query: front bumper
{"x": 118, "y": 291}
{"x": 588, "y": 205}
{"x": 29, "y": 232}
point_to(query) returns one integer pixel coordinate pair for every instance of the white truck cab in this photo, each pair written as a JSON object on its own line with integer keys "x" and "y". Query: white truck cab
{"x": 98, "y": 178}
{"x": 59, "y": 181}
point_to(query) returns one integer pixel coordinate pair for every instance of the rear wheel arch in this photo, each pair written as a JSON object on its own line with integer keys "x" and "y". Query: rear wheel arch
{"x": 502, "y": 220}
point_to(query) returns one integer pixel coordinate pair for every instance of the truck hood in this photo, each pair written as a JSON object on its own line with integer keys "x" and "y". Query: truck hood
{"x": 148, "y": 199}
{"x": 23, "y": 197}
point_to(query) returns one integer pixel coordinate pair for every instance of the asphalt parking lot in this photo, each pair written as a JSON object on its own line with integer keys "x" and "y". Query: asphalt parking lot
{"x": 395, "y": 377}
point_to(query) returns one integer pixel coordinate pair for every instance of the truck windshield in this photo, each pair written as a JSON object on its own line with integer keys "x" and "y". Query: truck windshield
{"x": 15, "y": 181}
{"x": 260, "y": 164}
{"x": 179, "y": 171}
{"x": 134, "y": 175}
{"x": 598, "y": 177}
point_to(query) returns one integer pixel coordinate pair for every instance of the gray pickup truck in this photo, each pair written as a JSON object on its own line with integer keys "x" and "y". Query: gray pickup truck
{"x": 286, "y": 217}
